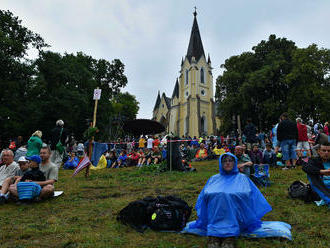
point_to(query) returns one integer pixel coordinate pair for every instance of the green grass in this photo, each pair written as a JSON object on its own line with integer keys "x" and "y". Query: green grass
{"x": 85, "y": 216}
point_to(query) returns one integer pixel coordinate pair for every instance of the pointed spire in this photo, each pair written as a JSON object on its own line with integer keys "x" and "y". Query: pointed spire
{"x": 157, "y": 101}
{"x": 208, "y": 59}
{"x": 176, "y": 89}
{"x": 182, "y": 61}
{"x": 195, "y": 48}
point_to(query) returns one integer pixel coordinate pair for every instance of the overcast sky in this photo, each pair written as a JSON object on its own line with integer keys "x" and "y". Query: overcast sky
{"x": 151, "y": 36}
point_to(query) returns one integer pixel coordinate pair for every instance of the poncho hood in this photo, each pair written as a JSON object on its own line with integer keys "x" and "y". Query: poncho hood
{"x": 234, "y": 170}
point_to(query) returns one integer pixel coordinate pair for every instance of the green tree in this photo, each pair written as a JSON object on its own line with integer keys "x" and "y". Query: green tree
{"x": 16, "y": 71}
{"x": 274, "y": 78}
{"x": 65, "y": 86}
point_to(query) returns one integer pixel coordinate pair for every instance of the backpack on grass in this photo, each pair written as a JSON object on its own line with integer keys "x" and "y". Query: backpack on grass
{"x": 167, "y": 213}
{"x": 302, "y": 191}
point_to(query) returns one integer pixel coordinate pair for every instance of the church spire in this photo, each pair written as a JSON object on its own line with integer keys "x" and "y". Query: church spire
{"x": 157, "y": 101}
{"x": 195, "y": 48}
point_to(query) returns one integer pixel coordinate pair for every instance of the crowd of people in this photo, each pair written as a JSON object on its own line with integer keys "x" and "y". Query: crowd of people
{"x": 288, "y": 144}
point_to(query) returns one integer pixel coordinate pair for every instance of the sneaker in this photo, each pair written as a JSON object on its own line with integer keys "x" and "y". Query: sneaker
{"x": 285, "y": 168}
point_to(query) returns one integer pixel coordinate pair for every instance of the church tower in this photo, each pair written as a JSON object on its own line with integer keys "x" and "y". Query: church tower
{"x": 191, "y": 109}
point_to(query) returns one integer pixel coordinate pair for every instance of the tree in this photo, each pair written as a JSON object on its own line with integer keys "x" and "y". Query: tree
{"x": 124, "y": 107}
{"x": 274, "y": 78}
{"x": 65, "y": 84}
{"x": 16, "y": 71}
{"x": 35, "y": 93}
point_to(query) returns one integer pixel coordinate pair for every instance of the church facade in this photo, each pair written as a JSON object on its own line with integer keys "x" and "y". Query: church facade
{"x": 190, "y": 111}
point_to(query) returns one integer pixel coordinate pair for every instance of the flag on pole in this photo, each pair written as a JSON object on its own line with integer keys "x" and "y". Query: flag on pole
{"x": 82, "y": 164}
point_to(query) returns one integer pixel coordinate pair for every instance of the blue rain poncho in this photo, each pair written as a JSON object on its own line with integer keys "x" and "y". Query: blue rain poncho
{"x": 229, "y": 205}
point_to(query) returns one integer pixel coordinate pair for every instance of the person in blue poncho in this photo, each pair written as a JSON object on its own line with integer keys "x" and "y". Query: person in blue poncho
{"x": 228, "y": 205}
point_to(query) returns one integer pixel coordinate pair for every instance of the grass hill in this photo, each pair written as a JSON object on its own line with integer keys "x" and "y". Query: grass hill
{"x": 85, "y": 216}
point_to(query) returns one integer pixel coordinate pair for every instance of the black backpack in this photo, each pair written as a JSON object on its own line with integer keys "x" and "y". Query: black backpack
{"x": 302, "y": 191}
{"x": 137, "y": 214}
{"x": 170, "y": 213}
{"x": 161, "y": 213}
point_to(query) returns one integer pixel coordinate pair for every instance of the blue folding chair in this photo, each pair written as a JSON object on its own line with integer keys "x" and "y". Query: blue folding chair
{"x": 261, "y": 175}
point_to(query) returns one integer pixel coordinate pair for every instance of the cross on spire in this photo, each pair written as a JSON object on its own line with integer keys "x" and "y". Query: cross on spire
{"x": 195, "y": 12}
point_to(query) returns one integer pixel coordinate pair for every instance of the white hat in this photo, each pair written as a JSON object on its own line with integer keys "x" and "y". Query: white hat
{"x": 22, "y": 159}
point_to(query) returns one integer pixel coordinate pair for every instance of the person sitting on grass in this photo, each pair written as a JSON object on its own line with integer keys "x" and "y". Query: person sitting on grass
{"x": 132, "y": 158}
{"x": 24, "y": 167}
{"x": 141, "y": 159}
{"x": 243, "y": 160}
{"x": 111, "y": 158}
{"x": 72, "y": 162}
{"x": 121, "y": 161}
{"x": 155, "y": 157}
{"x": 218, "y": 151}
{"x": 269, "y": 156}
{"x": 228, "y": 205}
{"x": 34, "y": 174}
{"x": 50, "y": 172}
{"x": 318, "y": 172}
{"x": 256, "y": 155}
{"x": 201, "y": 153}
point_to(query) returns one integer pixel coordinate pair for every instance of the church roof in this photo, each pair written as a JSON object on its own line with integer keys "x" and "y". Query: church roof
{"x": 157, "y": 101}
{"x": 176, "y": 90}
{"x": 167, "y": 101}
{"x": 195, "y": 48}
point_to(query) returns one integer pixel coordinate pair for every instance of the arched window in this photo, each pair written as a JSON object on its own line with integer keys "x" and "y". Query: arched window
{"x": 202, "y": 76}
{"x": 203, "y": 125}
{"x": 187, "y": 79}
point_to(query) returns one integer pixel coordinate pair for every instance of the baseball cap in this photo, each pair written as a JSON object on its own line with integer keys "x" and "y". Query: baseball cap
{"x": 22, "y": 159}
{"x": 35, "y": 158}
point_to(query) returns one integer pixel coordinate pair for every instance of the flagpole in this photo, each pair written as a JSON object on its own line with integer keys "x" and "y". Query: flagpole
{"x": 90, "y": 150}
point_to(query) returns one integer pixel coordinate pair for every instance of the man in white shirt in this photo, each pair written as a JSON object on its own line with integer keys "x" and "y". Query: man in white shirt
{"x": 149, "y": 142}
{"x": 10, "y": 167}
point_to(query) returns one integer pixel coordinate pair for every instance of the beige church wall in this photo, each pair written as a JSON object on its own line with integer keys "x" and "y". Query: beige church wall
{"x": 173, "y": 119}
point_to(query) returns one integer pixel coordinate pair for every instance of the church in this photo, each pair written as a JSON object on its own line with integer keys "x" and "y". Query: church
{"x": 190, "y": 111}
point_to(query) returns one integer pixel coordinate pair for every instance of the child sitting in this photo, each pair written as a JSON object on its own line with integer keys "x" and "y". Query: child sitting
{"x": 27, "y": 188}
{"x": 72, "y": 162}
{"x": 269, "y": 156}
{"x": 34, "y": 174}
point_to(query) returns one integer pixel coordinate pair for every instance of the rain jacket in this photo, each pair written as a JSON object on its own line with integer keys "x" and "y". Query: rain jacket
{"x": 229, "y": 205}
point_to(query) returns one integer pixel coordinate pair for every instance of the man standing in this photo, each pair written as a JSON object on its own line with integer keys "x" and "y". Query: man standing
{"x": 250, "y": 132}
{"x": 302, "y": 144}
{"x": 50, "y": 171}
{"x": 287, "y": 135}
{"x": 58, "y": 134}
{"x": 10, "y": 167}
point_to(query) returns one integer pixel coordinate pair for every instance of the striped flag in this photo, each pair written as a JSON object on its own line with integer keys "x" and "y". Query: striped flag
{"x": 82, "y": 164}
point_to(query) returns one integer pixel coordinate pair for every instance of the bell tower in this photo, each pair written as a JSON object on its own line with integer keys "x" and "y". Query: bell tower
{"x": 196, "y": 89}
